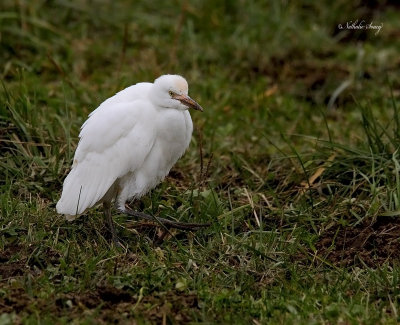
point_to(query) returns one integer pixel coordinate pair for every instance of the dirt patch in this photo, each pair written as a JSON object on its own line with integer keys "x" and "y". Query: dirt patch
{"x": 107, "y": 304}
{"x": 12, "y": 261}
{"x": 105, "y": 296}
{"x": 173, "y": 306}
{"x": 16, "y": 301}
{"x": 373, "y": 244}
{"x": 16, "y": 259}
{"x": 9, "y": 252}
{"x": 12, "y": 270}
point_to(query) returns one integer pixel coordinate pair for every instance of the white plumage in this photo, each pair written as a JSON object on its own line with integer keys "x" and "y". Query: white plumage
{"x": 128, "y": 145}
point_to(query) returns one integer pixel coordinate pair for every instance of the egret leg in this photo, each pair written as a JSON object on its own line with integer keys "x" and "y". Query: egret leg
{"x": 165, "y": 222}
{"x": 110, "y": 221}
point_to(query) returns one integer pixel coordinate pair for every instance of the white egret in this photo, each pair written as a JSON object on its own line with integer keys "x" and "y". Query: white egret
{"x": 127, "y": 146}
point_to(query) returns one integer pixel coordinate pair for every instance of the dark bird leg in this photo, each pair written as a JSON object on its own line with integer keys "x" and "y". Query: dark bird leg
{"x": 165, "y": 222}
{"x": 111, "y": 227}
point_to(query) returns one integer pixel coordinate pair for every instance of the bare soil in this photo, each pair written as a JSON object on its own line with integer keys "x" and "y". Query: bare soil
{"x": 372, "y": 244}
{"x": 106, "y": 304}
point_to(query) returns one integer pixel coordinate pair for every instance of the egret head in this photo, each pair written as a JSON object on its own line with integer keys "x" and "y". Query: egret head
{"x": 171, "y": 91}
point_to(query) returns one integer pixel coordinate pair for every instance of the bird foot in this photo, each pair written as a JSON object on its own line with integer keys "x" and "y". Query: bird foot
{"x": 165, "y": 222}
{"x": 117, "y": 242}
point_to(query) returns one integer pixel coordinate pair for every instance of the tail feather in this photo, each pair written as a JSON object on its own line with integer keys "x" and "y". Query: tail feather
{"x": 84, "y": 186}
{"x": 70, "y": 202}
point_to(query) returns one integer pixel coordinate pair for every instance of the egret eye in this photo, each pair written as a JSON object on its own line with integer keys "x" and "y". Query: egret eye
{"x": 171, "y": 93}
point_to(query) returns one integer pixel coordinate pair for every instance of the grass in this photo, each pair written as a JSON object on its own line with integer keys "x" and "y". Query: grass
{"x": 294, "y": 161}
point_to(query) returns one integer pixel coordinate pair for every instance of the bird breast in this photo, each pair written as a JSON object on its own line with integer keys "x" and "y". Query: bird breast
{"x": 174, "y": 131}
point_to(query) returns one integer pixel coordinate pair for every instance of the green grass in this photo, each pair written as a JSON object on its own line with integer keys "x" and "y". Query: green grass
{"x": 294, "y": 161}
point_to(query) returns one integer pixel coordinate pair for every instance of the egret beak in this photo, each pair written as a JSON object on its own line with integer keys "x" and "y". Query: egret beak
{"x": 187, "y": 101}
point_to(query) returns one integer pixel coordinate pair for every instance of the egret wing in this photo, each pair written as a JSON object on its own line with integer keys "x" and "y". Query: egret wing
{"x": 129, "y": 94}
{"x": 113, "y": 142}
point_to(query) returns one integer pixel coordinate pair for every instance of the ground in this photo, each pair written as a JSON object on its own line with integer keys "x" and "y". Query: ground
{"x": 294, "y": 162}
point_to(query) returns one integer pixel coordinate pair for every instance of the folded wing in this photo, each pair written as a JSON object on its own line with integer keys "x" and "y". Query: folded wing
{"x": 113, "y": 142}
